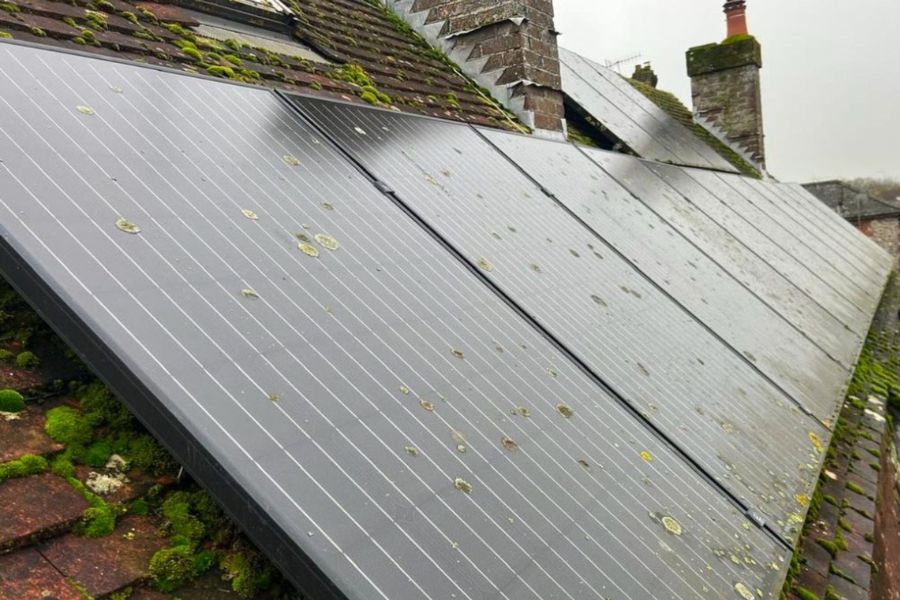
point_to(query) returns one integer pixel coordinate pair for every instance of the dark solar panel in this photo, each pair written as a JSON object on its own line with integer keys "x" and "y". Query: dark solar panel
{"x": 724, "y": 205}
{"x": 632, "y": 117}
{"x": 751, "y": 437}
{"x": 629, "y": 219}
{"x": 848, "y": 302}
{"x": 863, "y": 289}
{"x": 863, "y": 242}
{"x": 786, "y": 284}
{"x": 381, "y": 422}
{"x": 856, "y": 267}
{"x": 864, "y": 253}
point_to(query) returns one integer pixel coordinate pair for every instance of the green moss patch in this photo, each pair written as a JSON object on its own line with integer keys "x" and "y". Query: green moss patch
{"x": 67, "y": 426}
{"x": 737, "y": 51}
{"x": 11, "y": 401}
{"x": 24, "y": 466}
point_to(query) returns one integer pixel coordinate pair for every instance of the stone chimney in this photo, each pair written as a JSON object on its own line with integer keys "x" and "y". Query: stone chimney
{"x": 507, "y": 46}
{"x": 725, "y": 83}
{"x": 645, "y": 74}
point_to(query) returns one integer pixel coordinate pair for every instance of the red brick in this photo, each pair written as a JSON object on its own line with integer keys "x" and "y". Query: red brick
{"x": 37, "y": 507}
{"x": 26, "y": 575}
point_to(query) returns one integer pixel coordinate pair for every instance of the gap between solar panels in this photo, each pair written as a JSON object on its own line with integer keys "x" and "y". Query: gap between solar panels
{"x": 383, "y": 146}
{"x": 379, "y": 421}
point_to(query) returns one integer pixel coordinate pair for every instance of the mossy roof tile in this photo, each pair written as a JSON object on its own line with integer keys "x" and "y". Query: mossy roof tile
{"x": 404, "y": 71}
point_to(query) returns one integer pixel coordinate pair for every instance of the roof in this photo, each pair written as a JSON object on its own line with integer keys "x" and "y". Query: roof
{"x": 853, "y": 203}
{"x": 166, "y": 524}
{"x": 375, "y": 57}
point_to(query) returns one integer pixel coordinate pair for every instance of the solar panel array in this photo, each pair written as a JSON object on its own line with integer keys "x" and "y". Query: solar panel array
{"x": 403, "y": 367}
{"x": 632, "y": 117}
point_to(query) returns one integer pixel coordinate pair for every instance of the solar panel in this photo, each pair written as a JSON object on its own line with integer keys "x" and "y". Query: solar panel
{"x": 855, "y": 267}
{"x": 860, "y": 248}
{"x": 847, "y": 301}
{"x": 628, "y": 218}
{"x": 818, "y": 207}
{"x": 653, "y": 353}
{"x": 631, "y": 116}
{"x": 735, "y": 244}
{"x": 379, "y": 420}
{"x": 862, "y": 289}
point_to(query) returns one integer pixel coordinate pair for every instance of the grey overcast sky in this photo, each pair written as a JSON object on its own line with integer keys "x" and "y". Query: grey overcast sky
{"x": 831, "y": 75}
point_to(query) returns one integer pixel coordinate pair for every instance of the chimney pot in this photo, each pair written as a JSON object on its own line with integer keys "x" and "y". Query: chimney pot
{"x": 736, "y": 17}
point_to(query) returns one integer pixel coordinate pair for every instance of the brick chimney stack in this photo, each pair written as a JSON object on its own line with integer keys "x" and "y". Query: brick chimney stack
{"x": 507, "y": 46}
{"x": 725, "y": 84}
{"x": 736, "y": 15}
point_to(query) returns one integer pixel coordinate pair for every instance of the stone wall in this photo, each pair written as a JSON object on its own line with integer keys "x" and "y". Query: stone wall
{"x": 885, "y": 233}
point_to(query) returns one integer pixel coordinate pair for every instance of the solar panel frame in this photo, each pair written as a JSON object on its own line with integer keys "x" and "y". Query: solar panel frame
{"x": 864, "y": 248}
{"x": 739, "y": 199}
{"x": 618, "y": 198}
{"x": 808, "y": 234}
{"x": 792, "y": 287}
{"x": 363, "y": 132}
{"x": 851, "y": 260}
{"x": 51, "y": 290}
{"x": 616, "y": 97}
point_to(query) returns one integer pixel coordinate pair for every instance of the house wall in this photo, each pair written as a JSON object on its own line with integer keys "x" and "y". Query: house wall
{"x": 885, "y": 233}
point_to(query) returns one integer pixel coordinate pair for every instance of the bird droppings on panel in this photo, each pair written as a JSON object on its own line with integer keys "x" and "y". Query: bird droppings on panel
{"x": 427, "y": 405}
{"x": 85, "y": 110}
{"x": 250, "y": 214}
{"x": 584, "y": 463}
{"x": 249, "y": 293}
{"x": 308, "y": 249}
{"x": 274, "y": 397}
{"x": 302, "y": 236}
{"x": 598, "y": 300}
{"x": 816, "y": 442}
{"x": 672, "y": 525}
{"x": 574, "y": 253}
{"x": 630, "y": 291}
{"x": 359, "y": 130}
{"x": 644, "y": 370}
{"x": 460, "y": 440}
{"x": 290, "y": 160}
{"x": 552, "y": 372}
{"x": 411, "y": 450}
{"x": 511, "y": 229}
{"x": 535, "y": 267}
{"x": 462, "y": 485}
{"x": 404, "y": 389}
{"x": 727, "y": 427}
{"x": 521, "y": 411}
{"x": 743, "y": 591}
{"x": 116, "y": 89}
{"x": 509, "y": 443}
{"x": 485, "y": 265}
{"x": 127, "y": 226}
{"x": 458, "y": 353}
{"x": 647, "y": 456}
{"x": 565, "y": 410}
{"x": 328, "y": 206}
{"x": 446, "y": 173}
{"x": 326, "y": 241}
